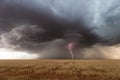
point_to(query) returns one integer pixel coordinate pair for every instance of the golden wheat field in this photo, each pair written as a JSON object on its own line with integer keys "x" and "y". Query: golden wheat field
{"x": 59, "y": 70}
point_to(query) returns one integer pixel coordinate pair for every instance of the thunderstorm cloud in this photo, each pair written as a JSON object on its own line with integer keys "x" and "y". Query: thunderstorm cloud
{"x": 46, "y": 27}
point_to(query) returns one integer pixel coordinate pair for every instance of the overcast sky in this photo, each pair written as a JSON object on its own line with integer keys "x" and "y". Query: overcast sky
{"x": 35, "y": 29}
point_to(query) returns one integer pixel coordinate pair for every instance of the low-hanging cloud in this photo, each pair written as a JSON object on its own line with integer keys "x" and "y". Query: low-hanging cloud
{"x": 45, "y": 27}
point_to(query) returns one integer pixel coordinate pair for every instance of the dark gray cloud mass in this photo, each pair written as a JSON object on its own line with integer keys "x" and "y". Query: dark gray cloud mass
{"x": 46, "y": 27}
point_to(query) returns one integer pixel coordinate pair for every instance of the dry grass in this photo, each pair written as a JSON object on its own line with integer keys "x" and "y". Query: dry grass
{"x": 60, "y": 70}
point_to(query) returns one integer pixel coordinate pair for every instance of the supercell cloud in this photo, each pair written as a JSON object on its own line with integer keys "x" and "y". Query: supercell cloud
{"x": 46, "y": 27}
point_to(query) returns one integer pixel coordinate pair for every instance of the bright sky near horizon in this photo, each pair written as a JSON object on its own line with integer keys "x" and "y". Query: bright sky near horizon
{"x": 9, "y": 54}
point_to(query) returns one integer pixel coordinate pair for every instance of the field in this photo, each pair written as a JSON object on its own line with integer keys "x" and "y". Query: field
{"x": 60, "y": 70}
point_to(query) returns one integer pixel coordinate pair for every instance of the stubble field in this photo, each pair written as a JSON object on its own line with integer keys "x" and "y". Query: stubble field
{"x": 60, "y": 70}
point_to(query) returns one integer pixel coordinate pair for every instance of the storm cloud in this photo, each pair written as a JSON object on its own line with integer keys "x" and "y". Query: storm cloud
{"x": 46, "y": 27}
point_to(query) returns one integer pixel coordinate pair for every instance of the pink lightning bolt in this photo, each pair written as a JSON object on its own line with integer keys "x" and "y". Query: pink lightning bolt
{"x": 70, "y": 47}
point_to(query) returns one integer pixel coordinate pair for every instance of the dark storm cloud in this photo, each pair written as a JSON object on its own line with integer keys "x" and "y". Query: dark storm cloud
{"x": 47, "y": 26}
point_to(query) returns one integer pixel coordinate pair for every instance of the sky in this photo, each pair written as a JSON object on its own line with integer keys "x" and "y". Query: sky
{"x": 44, "y": 29}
